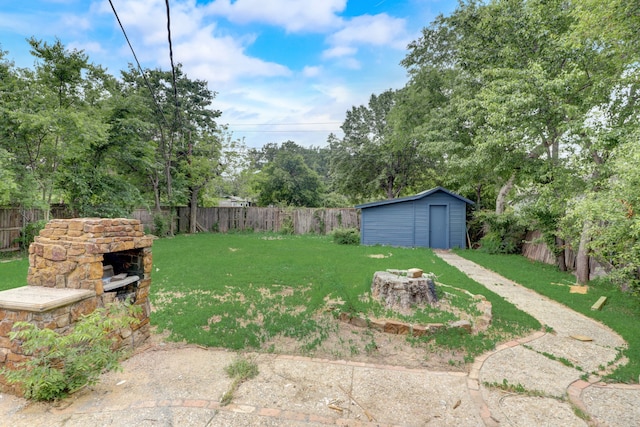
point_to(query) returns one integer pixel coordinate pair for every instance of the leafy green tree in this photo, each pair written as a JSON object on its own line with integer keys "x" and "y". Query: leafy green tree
{"x": 139, "y": 120}
{"x": 613, "y": 217}
{"x": 27, "y": 134}
{"x": 235, "y": 177}
{"x": 130, "y": 145}
{"x": 200, "y": 166}
{"x": 287, "y": 180}
{"x": 533, "y": 87}
{"x": 96, "y": 177}
{"x": 431, "y": 110}
{"x": 317, "y": 158}
{"x": 611, "y": 26}
{"x": 184, "y": 132}
{"x": 94, "y": 173}
{"x": 8, "y": 185}
{"x": 49, "y": 115}
{"x": 369, "y": 161}
{"x": 199, "y": 140}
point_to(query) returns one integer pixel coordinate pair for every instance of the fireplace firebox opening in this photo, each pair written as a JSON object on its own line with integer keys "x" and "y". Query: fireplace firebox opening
{"x": 122, "y": 272}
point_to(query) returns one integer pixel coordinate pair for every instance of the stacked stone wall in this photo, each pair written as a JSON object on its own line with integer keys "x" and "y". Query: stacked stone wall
{"x": 69, "y": 253}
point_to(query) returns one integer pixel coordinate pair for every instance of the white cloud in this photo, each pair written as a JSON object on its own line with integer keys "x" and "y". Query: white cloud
{"x": 222, "y": 59}
{"x": 349, "y": 63}
{"x": 303, "y": 113}
{"x": 293, "y": 15}
{"x": 311, "y": 71}
{"x": 379, "y": 30}
{"x": 148, "y": 19}
{"x": 337, "y": 93}
{"x": 89, "y": 47}
{"x": 204, "y": 53}
{"x": 75, "y": 22}
{"x": 339, "y": 51}
{"x": 254, "y": 90}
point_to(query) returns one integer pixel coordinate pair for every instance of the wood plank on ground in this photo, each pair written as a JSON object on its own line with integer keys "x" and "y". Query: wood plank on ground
{"x": 598, "y": 304}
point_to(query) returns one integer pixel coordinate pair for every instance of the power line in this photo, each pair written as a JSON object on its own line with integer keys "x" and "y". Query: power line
{"x": 173, "y": 68}
{"x": 153, "y": 96}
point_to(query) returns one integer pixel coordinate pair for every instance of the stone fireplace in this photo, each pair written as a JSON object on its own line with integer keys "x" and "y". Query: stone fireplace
{"x": 76, "y": 265}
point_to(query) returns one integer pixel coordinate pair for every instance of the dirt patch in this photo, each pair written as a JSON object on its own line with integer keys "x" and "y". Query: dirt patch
{"x": 336, "y": 340}
{"x": 285, "y": 291}
{"x": 346, "y": 342}
{"x": 341, "y": 341}
{"x": 379, "y": 256}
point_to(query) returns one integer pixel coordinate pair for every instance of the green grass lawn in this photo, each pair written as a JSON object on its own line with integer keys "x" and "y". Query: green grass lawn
{"x": 621, "y": 312}
{"x": 240, "y": 290}
{"x": 13, "y": 273}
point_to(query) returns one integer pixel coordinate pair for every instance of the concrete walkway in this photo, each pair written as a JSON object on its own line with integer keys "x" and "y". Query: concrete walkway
{"x": 182, "y": 387}
{"x": 555, "y": 391}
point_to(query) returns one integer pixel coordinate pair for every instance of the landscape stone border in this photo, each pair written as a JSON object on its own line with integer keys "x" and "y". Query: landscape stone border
{"x": 480, "y": 324}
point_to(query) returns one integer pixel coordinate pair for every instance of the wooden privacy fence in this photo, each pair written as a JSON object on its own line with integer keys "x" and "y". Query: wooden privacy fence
{"x": 534, "y": 249}
{"x": 220, "y": 219}
{"x": 13, "y": 220}
{"x": 299, "y": 220}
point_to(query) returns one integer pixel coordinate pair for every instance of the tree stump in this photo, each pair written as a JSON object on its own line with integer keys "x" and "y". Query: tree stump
{"x": 398, "y": 291}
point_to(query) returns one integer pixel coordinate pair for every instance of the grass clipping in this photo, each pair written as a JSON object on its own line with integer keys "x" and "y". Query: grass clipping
{"x": 240, "y": 370}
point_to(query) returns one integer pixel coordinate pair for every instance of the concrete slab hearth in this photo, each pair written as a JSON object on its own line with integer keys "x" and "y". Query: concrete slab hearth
{"x": 39, "y": 299}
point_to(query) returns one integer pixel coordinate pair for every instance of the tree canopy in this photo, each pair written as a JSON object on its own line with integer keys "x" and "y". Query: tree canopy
{"x": 525, "y": 106}
{"x": 288, "y": 180}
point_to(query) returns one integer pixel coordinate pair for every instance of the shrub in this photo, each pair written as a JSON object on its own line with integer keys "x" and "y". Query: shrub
{"x": 494, "y": 243}
{"x": 160, "y": 224}
{"x": 504, "y": 233}
{"x": 287, "y": 226}
{"x": 29, "y": 233}
{"x": 61, "y": 364}
{"x": 346, "y": 236}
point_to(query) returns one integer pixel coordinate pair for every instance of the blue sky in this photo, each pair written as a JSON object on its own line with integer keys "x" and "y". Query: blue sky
{"x": 283, "y": 69}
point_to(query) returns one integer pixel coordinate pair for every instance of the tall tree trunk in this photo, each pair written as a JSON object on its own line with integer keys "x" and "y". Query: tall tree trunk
{"x": 389, "y": 187}
{"x": 193, "y": 210}
{"x": 169, "y": 182}
{"x": 501, "y": 199}
{"x": 170, "y": 199}
{"x": 560, "y": 258}
{"x": 155, "y": 183}
{"x": 582, "y": 257}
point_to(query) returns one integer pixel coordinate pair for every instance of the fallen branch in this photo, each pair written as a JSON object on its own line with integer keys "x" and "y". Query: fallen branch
{"x": 335, "y": 407}
{"x": 367, "y": 413}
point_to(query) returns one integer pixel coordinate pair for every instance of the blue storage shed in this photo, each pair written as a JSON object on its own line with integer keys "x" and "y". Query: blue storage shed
{"x": 435, "y": 218}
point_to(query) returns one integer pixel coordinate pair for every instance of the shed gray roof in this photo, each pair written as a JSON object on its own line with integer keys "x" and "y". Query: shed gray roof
{"x": 414, "y": 197}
